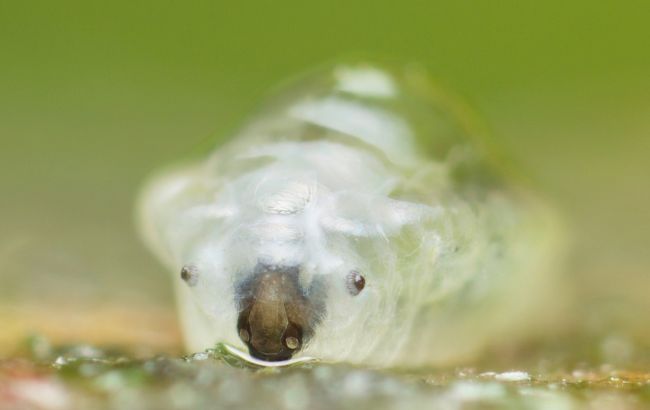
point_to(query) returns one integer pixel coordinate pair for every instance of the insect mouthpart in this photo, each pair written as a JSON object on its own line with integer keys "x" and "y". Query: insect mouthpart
{"x": 276, "y": 317}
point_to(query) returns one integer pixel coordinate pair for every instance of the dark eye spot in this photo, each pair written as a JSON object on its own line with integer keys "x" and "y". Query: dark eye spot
{"x": 190, "y": 274}
{"x": 355, "y": 282}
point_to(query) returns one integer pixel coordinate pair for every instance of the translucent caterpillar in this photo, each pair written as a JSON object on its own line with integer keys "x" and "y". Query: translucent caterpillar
{"x": 357, "y": 217}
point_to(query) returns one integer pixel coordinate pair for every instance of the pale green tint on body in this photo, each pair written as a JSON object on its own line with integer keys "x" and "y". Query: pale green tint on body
{"x": 360, "y": 168}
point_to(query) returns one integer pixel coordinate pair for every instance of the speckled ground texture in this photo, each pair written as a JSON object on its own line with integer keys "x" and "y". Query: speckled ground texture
{"x": 610, "y": 375}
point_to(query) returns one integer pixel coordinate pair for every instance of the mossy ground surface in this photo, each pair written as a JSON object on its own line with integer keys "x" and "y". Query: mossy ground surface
{"x": 40, "y": 376}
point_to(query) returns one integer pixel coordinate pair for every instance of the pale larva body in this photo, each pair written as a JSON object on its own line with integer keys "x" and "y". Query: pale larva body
{"x": 355, "y": 219}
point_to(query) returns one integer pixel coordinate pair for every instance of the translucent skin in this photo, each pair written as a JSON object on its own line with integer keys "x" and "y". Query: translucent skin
{"x": 359, "y": 168}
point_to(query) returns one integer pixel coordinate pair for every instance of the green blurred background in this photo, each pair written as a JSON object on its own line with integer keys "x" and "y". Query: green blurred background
{"x": 94, "y": 96}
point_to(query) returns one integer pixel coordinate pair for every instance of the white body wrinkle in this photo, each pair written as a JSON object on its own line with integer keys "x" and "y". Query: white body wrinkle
{"x": 356, "y": 219}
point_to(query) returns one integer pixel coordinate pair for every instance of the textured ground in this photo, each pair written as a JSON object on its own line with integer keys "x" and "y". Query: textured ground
{"x": 84, "y": 377}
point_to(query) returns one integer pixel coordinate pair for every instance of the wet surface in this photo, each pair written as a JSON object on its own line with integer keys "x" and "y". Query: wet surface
{"x": 82, "y": 377}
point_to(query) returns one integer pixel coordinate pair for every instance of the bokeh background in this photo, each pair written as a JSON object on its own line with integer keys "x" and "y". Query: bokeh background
{"x": 94, "y": 96}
